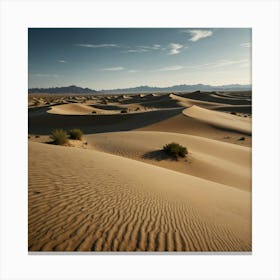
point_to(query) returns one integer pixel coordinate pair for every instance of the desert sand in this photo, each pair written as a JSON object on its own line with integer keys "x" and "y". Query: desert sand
{"x": 116, "y": 190}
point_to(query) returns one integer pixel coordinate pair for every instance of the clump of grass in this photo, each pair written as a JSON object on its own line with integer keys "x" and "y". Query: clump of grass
{"x": 175, "y": 150}
{"x": 59, "y": 137}
{"x": 76, "y": 134}
{"x": 124, "y": 111}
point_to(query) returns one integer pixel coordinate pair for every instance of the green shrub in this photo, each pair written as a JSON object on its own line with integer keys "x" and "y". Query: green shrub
{"x": 175, "y": 150}
{"x": 59, "y": 137}
{"x": 76, "y": 134}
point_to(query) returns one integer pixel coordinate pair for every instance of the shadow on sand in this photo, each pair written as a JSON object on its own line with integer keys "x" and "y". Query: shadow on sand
{"x": 41, "y": 122}
{"x": 158, "y": 155}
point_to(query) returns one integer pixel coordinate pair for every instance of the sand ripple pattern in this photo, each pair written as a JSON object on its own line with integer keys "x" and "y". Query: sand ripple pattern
{"x": 83, "y": 200}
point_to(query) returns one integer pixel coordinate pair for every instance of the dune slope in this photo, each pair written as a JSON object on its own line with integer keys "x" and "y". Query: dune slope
{"x": 209, "y": 159}
{"x": 219, "y": 119}
{"x": 92, "y": 201}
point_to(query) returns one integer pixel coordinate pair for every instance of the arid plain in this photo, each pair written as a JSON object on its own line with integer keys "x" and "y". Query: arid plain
{"x": 116, "y": 190}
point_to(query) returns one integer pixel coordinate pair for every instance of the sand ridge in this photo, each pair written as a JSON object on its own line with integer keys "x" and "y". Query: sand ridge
{"x": 220, "y": 119}
{"x": 120, "y": 212}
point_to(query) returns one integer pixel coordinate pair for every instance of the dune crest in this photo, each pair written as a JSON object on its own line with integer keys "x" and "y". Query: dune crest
{"x": 220, "y": 119}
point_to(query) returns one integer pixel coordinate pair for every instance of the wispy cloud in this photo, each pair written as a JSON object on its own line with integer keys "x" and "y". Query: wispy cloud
{"x": 135, "y": 51}
{"x": 132, "y": 71}
{"x": 118, "y": 68}
{"x": 39, "y": 75}
{"x": 152, "y": 47}
{"x": 170, "y": 68}
{"x": 174, "y": 48}
{"x": 141, "y": 49}
{"x": 197, "y": 34}
{"x": 219, "y": 64}
{"x": 62, "y": 61}
{"x": 97, "y": 46}
{"x": 246, "y": 45}
{"x": 227, "y": 62}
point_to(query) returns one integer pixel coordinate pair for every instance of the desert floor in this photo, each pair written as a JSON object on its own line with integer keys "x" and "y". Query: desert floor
{"x": 116, "y": 190}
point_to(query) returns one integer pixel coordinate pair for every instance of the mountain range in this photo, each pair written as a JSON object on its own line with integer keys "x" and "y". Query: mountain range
{"x": 142, "y": 89}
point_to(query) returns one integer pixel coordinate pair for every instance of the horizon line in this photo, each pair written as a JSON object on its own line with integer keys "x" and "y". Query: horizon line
{"x": 119, "y": 88}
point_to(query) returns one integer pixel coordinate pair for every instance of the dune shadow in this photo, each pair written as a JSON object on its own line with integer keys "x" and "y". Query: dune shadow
{"x": 41, "y": 122}
{"x": 158, "y": 155}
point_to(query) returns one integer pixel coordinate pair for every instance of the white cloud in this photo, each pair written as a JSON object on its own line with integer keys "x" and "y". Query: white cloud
{"x": 175, "y": 48}
{"x": 246, "y": 45}
{"x": 62, "y": 61}
{"x": 170, "y": 68}
{"x": 132, "y": 71}
{"x": 97, "y": 46}
{"x": 118, "y": 68}
{"x": 197, "y": 34}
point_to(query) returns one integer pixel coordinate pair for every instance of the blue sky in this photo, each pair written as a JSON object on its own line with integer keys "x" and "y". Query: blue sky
{"x": 106, "y": 58}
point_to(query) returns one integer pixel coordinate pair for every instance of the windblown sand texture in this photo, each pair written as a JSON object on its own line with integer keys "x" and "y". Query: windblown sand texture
{"x": 117, "y": 191}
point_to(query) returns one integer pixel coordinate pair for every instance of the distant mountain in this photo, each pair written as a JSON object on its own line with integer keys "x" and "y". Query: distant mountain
{"x": 70, "y": 89}
{"x": 180, "y": 88}
{"x": 143, "y": 89}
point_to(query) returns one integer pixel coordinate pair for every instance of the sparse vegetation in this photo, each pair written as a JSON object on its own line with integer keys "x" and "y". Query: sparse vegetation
{"x": 59, "y": 137}
{"x": 175, "y": 150}
{"x": 76, "y": 134}
{"x": 93, "y": 112}
{"x": 241, "y": 139}
{"x": 124, "y": 111}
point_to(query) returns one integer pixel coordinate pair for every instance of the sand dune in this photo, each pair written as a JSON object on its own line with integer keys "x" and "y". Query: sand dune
{"x": 187, "y": 102}
{"x": 114, "y": 207}
{"x": 41, "y": 122}
{"x": 186, "y": 125}
{"x": 78, "y": 109}
{"x": 117, "y": 191}
{"x": 71, "y": 109}
{"x": 228, "y": 98}
{"x": 245, "y": 109}
{"x": 209, "y": 159}
{"x": 219, "y": 119}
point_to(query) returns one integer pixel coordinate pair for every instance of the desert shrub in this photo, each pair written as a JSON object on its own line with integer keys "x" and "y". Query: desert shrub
{"x": 241, "y": 139}
{"x": 124, "y": 111}
{"x": 175, "y": 150}
{"x": 93, "y": 112}
{"x": 59, "y": 137}
{"x": 233, "y": 113}
{"x": 76, "y": 134}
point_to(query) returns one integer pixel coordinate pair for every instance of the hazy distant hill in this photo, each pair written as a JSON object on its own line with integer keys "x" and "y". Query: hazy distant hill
{"x": 142, "y": 89}
{"x": 178, "y": 88}
{"x": 69, "y": 89}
